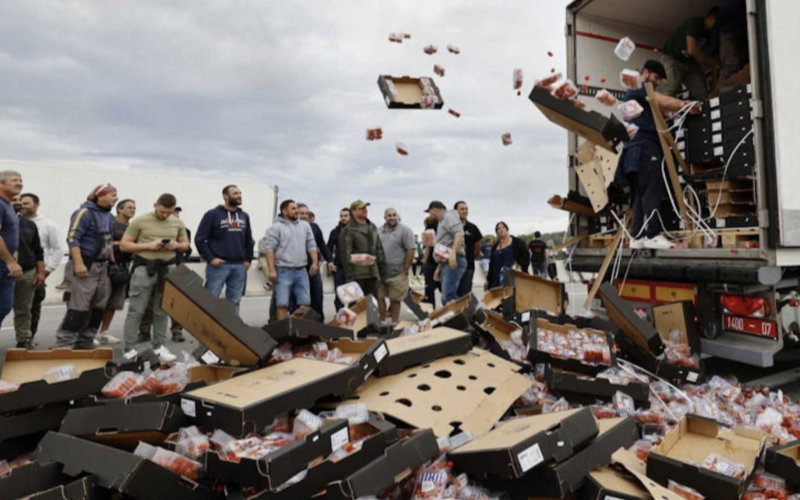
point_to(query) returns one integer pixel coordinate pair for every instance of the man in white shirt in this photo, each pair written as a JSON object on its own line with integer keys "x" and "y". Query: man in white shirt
{"x": 53, "y": 246}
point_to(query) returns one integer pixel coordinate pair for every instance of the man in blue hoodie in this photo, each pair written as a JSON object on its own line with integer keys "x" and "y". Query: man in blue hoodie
{"x": 90, "y": 250}
{"x": 225, "y": 240}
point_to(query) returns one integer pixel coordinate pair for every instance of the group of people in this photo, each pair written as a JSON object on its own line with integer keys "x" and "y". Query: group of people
{"x": 124, "y": 258}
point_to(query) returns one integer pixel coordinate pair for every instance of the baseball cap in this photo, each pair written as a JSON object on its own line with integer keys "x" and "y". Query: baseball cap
{"x": 436, "y": 204}
{"x": 358, "y": 204}
{"x": 656, "y": 67}
{"x": 178, "y": 209}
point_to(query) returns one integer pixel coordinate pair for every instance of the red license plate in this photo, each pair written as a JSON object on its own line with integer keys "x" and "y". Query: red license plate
{"x": 750, "y": 325}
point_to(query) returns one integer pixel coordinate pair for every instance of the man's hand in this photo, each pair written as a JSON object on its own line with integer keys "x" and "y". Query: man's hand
{"x": 246, "y": 265}
{"x": 216, "y": 261}
{"x": 331, "y": 268}
{"x": 696, "y": 109}
{"x": 273, "y": 276}
{"x": 437, "y": 275}
{"x": 404, "y": 272}
{"x": 46, "y": 274}
{"x": 38, "y": 280}
{"x": 172, "y": 246}
{"x": 14, "y": 269}
{"x": 313, "y": 270}
{"x": 80, "y": 270}
{"x": 451, "y": 261}
{"x": 155, "y": 245}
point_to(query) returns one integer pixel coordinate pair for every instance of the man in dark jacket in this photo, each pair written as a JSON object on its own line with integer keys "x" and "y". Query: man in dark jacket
{"x": 89, "y": 241}
{"x": 333, "y": 246}
{"x": 472, "y": 246}
{"x": 30, "y": 257}
{"x": 315, "y": 281}
{"x": 360, "y": 239}
{"x": 224, "y": 239}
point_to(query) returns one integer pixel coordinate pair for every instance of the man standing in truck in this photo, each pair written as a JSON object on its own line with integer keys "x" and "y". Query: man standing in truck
{"x": 640, "y": 164}
{"x": 683, "y": 56}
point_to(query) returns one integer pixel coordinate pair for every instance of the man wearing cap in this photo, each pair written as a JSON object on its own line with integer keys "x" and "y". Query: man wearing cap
{"x": 640, "y": 164}
{"x": 90, "y": 250}
{"x": 449, "y": 251}
{"x": 357, "y": 242}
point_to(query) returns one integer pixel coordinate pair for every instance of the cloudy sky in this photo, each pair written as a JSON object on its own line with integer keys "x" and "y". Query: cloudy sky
{"x": 282, "y": 92}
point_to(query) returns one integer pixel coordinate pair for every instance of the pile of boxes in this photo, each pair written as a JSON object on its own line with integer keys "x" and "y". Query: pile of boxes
{"x": 506, "y": 397}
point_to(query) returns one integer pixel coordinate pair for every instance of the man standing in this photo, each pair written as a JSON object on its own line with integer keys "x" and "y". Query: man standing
{"x": 10, "y": 270}
{"x": 417, "y": 257}
{"x": 290, "y": 243}
{"x": 53, "y": 247}
{"x": 397, "y": 240}
{"x": 360, "y": 239}
{"x": 538, "y": 249}
{"x": 315, "y": 282}
{"x": 429, "y": 265}
{"x": 472, "y": 245}
{"x": 30, "y": 257}
{"x": 449, "y": 234}
{"x": 156, "y": 239}
{"x": 225, "y": 240}
{"x": 640, "y": 163}
{"x": 89, "y": 241}
{"x": 333, "y": 247}
{"x": 126, "y": 209}
{"x": 682, "y": 56}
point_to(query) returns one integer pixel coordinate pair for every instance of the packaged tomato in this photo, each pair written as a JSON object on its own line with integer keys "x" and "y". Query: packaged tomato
{"x": 193, "y": 446}
{"x": 346, "y": 316}
{"x": 625, "y": 48}
{"x": 724, "y": 466}
{"x": 506, "y": 138}
{"x": 305, "y": 423}
{"x": 430, "y": 486}
{"x": 6, "y": 387}
{"x": 516, "y": 78}
{"x": 642, "y": 449}
{"x": 565, "y": 90}
{"x": 453, "y": 49}
{"x": 362, "y": 259}
{"x": 578, "y": 103}
{"x": 684, "y": 491}
{"x": 428, "y": 237}
{"x": 441, "y": 253}
{"x": 430, "y": 49}
{"x": 438, "y": 70}
{"x": 630, "y": 109}
{"x": 454, "y": 112}
{"x": 549, "y": 80}
{"x": 396, "y": 37}
{"x": 169, "y": 460}
{"x": 349, "y": 292}
{"x": 5, "y": 469}
{"x": 122, "y": 384}
{"x": 632, "y": 129}
{"x": 606, "y": 97}
{"x": 59, "y": 373}
{"x": 630, "y": 79}
{"x": 401, "y": 148}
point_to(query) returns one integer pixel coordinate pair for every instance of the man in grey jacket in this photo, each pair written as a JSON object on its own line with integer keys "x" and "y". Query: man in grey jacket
{"x": 289, "y": 243}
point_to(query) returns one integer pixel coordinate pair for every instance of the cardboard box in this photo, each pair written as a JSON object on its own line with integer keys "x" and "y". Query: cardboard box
{"x": 640, "y": 332}
{"x": 367, "y": 319}
{"x": 119, "y": 470}
{"x": 423, "y": 347}
{"x": 93, "y": 368}
{"x": 213, "y": 321}
{"x": 31, "y": 478}
{"x": 281, "y": 465}
{"x": 252, "y": 400}
{"x": 496, "y": 331}
{"x": 469, "y": 392}
{"x": 533, "y": 293}
{"x": 304, "y": 324}
{"x": 33, "y": 421}
{"x": 123, "y": 425}
{"x": 784, "y": 461}
{"x": 517, "y": 446}
{"x": 584, "y": 389}
{"x": 414, "y": 302}
{"x": 691, "y": 442}
{"x": 677, "y": 316}
{"x": 541, "y": 321}
{"x": 408, "y": 92}
{"x": 626, "y": 481}
{"x": 84, "y": 488}
{"x": 604, "y": 131}
{"x": 560, "y": 479}
{"x": 494, "y": 298}
{"x": 396, "y": 463}
{"x": 463, "y": 309}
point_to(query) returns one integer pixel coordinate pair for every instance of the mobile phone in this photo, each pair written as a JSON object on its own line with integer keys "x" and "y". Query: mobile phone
{"x": 164, "y": 241}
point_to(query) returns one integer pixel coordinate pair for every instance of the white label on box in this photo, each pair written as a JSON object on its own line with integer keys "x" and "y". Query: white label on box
{"x": 716, "y": 126}
{"x": 692, "y": 377}
{"x": 427, "y": 486}
{"x": 526, "y": 316}
{"x": 714, "y": 103}
{"x": 381, "y": 353}
{"x": 209, "y": 358}
{"x": 188, "y": 407}
{"x": 530, "y": 458}
{"x": 718, "y": 151}
{"x": 715, "y": 114}
{"x": 716, "y": 138}
{"x": 340, "y": 438}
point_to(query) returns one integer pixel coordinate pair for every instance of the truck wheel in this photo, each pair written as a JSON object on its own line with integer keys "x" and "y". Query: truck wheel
{"x": 712, "y": 329}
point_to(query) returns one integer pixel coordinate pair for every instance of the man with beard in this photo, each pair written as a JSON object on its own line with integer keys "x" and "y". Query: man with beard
{"x": 30, "y": 257}
{"x": 472, "y": 245}
{"x": 10, "y": 186}
{"x": 90, "y": 250}
{"x": 361, "y": 250}
{"x": 225, "y": 240}
{"x": 315, "y": 281}
{"x": 397, "y": 240}
{"x": 126, "y": 209}
{"x": 336, "y": 267}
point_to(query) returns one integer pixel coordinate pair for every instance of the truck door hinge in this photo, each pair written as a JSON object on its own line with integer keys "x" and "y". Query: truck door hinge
{"x": 758, "y": 109}
{"x": 568, "y": 30}
{"x": 763, "y": 218}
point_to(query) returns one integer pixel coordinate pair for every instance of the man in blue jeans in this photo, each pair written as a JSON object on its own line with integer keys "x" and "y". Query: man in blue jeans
{"x": 10, "y": 270}
{"x": 225, "y": 240}
{"x": 290, "y": 243}
{"x": 315, "y": 281}
{"x": 450, "y": 238}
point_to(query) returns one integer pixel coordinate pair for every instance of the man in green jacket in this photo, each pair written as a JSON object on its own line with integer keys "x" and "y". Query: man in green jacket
{"x": 361, "y": 250}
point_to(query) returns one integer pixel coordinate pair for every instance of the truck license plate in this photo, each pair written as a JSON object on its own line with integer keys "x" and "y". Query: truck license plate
{"x": 750, "y": 325}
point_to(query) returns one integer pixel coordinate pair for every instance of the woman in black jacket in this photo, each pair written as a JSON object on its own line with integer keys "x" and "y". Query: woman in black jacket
{"x": 507, "y": 252}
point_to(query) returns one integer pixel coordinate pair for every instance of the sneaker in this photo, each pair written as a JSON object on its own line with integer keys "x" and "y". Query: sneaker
{"x": 636, "y": 244}
{"x": 23, "y": 345}
{"x": 131, "y": 354}
{"x": 657, "y": 243}
{"x": 105, "y": 338}
{"x": 164, "y": 355}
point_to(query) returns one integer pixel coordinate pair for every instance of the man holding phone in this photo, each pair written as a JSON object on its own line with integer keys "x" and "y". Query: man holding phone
{"x": 156, "y": 240}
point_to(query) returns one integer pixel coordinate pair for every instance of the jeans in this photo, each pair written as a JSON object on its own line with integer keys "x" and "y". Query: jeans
{"x": 465, "y": 285}
{"x": 142, "y": 287}
{"x": 428, "y": 270}
{"x": 338, "y": 279}
{"x": 231, "y": 275}
{"x": 39, "y": 295}
{"x": 683, "y": 73}
{"x": 451, "y": 278}
{"x": 23, "y": 298}
{"x": 539, "y": 269}
{"x": 292, "y": 281}
{"x": 6, "y": 291}
{"x": 315, "y": 293}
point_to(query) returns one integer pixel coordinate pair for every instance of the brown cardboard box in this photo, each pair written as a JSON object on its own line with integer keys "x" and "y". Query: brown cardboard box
{"x": 423, "y": 347}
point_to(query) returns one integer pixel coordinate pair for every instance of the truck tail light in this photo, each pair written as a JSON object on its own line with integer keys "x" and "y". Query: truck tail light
{"x": 744, "y": 306}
